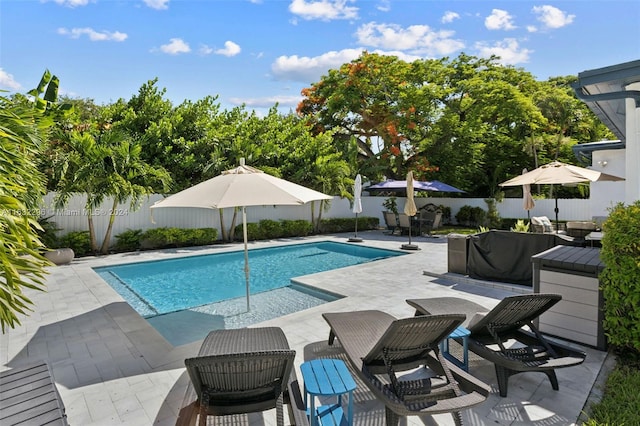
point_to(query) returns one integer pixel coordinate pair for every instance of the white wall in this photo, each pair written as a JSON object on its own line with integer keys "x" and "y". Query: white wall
{"x": 604, "y": 195}
{"x": 73, "y": 217}
{"x": 632, "y": 132}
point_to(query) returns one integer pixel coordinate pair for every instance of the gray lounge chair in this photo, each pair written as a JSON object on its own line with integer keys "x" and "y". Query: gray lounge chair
{"x": 29, "y": 396}
{"x": 492, "y": 331}
{"x": 244, "y": 371}
{"x": 380, "y": 346}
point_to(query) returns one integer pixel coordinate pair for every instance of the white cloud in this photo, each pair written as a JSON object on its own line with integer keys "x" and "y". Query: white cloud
{"x": 552, "y": 17}
{"x": 417, "y": 38}
{"x": 384, "y": 6}
{"x": 325, "y": 10}
{"x": 449, "y": 17}
{"x": 72, "y": 3}
{"x": 205, "y": 50}
{"x": 268, "y": 102}
{"x": 175, "y": 47}
{"x": 7, "y": 81}
{"x": 532, "y": 29}
{"x": 157, "y": 4}
{"x": 230, "y": 49}
{"x": 310, "y": 69}
{"x": 499, "y": 20}
{"x": 307, "y": 69}
{"x": 93, "y": 34}
{"x": 508, "y": 50}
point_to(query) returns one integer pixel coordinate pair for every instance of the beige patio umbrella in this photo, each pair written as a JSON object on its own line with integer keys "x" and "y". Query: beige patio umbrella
{"x": 559, "y": 173}
{"x": 527, "y": 200}
{"x": 357, "y": 205}
{"x": 242, "y": 187}
{"x": 410, "y": 210}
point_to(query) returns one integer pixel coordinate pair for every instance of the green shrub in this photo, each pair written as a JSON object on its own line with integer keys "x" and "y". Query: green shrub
{"x": 520, "y": 226}
{"x": 492, "y": 216}
{"x": 296, "y": 228}
{"x": 463, "y": 217}
{"x": 471, "y": 216}
{"x": 254, "y": 232}
{"x": 391, "y": 204}
{"x": 198, "y": 237}
{"x": 446, "y": 214}
{"x": 347, "y": 224}
{"x": 159, "y": 238}
{"x": 270, "y": 229}
{"x": 128, "y": 240}
{"x": 79, "y": 241}
{"x": 621, "y": 277}
{"x": 177, "y": 237}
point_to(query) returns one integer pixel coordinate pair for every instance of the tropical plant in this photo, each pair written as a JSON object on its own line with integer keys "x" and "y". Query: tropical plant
{"x": 22, "y": 131}
{"x": 391, "y": 204}
{"x": 104, "y": 165}
{"x": 520, "y": 226}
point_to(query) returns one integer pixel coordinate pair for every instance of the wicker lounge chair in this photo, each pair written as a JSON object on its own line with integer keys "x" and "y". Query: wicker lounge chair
{"x": 493, "y": 331}
{"x": 243, "y": 371}
{"x": 380, "y": 347}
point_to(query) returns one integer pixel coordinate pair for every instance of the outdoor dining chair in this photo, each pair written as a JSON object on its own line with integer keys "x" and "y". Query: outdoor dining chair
{"x": 240, "y": 371}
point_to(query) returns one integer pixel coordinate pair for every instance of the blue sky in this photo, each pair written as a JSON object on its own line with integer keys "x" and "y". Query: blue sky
{"x": 259, "y": 52}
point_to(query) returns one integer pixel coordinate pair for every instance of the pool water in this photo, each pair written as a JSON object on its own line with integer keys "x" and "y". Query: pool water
{"x": 160, "y": 287}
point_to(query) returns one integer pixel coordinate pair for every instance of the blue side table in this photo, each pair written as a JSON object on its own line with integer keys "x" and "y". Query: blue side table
{"x": 327, "y": 377}
{"x": 459, "y": 333}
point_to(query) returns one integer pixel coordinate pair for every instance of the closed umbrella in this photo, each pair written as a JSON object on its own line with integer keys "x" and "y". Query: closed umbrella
{"x": 410, "y": 210}
{"x": 241, "y": 187}
{"x": 527, "y": 200}
{"x": 357, "y": 205}
{"x": 557, "y": 172}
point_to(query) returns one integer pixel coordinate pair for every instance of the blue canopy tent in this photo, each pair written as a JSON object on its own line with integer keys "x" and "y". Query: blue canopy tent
{"x": 401, "y": 186}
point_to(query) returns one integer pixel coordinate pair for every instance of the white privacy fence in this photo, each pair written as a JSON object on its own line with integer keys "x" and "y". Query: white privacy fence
{"x": 73, "y": 216}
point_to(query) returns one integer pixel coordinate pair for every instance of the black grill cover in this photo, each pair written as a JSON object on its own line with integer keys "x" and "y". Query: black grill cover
{"x": 506, "y": 256}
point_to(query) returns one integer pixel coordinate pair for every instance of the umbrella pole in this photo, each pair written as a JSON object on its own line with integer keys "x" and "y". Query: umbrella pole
{"x": 356, "y": 234}
{"x": 246, "y": 254}
{"x": 556, "y": 210}
{"x": 355, "y": 238}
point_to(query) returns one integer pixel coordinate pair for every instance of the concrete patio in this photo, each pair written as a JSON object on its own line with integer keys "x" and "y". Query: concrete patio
{"x": 112, "y": 367}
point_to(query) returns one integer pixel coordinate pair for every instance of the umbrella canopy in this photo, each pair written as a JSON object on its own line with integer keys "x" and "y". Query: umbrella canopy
{"x": 357, "y": 195}
{"x": 410, "y": 208}
{"x": 241, "y": 187}
{"x": 401, "y": 185}
{"x": 357, "y": 205}
{"x": 559, "y": 173}
{"x": 527, "y": 200}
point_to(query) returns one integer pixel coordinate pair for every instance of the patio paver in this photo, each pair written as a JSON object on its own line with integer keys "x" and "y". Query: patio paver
{"x": 112, "y": 367}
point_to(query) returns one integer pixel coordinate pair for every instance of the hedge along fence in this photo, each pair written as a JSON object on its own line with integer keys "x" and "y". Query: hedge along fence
{"x": 158, "y": 238}
{"x": 73, "y": 217}
{"x": 621, "y": 276}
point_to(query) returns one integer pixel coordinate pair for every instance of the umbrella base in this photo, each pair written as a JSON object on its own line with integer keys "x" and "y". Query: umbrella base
{"x": 409, "y": 247}
{"x": 355, "y": 240}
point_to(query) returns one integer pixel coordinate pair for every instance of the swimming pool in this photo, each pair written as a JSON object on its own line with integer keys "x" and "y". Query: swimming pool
{"x": 159, "y": 287}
